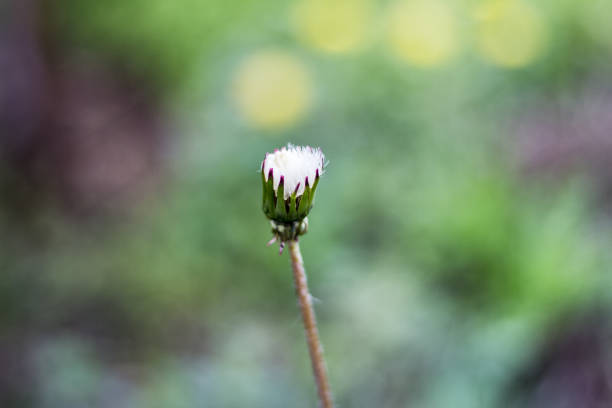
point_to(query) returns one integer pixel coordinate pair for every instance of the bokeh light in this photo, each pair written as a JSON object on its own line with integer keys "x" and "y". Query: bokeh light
{"x": 335, "y": 27}
{"x": 511, "y": 33}
{"x": 423, "y": 33}
{"x": 272, "y": 89}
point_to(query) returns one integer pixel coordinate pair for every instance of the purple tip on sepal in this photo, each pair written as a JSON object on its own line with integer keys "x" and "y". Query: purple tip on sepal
{"x": 282, "y": 181}
{"x": 306, "y": 182}
{"x": 317, "y": 174}
{"x": 297, "y": 188}
{"x": 270, "y": 173}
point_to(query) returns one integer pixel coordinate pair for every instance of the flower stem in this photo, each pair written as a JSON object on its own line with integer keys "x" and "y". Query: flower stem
{"x": 310, "y": 326}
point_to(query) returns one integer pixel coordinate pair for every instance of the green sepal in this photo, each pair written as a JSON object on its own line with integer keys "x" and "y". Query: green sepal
{"x": 293, "y": 206}
{"x": 281, "y": 211}
{"x": 268, "y": 196}
{"x": 314, "y": 188}
{"x": 304, "y": 206}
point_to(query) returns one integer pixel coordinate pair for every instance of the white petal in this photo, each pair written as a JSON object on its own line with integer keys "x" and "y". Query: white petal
{"x": 294, "y": 164}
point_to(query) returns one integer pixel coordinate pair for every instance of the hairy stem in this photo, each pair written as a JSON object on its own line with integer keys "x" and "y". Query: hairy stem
{"x": 310, "y": 326}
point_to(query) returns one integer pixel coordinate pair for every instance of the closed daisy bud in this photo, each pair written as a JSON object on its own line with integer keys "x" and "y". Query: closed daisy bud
{"x": 290, "y": 176}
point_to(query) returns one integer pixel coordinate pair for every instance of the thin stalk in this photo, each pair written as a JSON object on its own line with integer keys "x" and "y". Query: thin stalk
{"x": 310, "y": 326}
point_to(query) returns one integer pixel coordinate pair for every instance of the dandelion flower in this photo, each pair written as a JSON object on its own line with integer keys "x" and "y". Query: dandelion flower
{"x": 290, "y": 176}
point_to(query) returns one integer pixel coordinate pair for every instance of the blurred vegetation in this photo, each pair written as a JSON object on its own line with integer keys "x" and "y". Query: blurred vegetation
{"x": 458, "y": 246}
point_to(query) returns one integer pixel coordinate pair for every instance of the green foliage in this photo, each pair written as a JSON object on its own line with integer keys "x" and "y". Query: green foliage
{"x": 440, "y": 263}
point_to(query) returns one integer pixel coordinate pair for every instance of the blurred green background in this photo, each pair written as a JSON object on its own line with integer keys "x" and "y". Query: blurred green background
{"x": 459, "y": 246}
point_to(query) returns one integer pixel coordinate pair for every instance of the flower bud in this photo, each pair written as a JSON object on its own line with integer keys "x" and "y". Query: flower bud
{"x": 290, "y": 176}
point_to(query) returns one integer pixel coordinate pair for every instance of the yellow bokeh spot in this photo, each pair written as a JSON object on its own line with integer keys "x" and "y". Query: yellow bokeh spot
{"x": 334, "y": 26}
{"x": 272, "y": 89}
{"x": 510, "y": 32}
{"x": 424, "y": 33}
